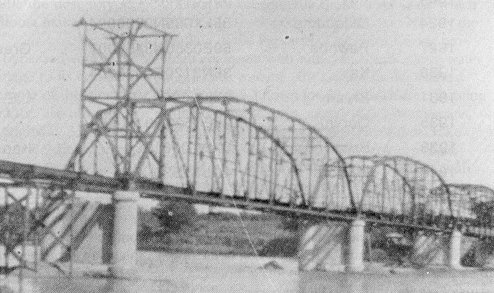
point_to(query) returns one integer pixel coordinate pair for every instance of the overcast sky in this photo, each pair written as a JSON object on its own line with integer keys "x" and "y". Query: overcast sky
{"x": 376, "y": 77}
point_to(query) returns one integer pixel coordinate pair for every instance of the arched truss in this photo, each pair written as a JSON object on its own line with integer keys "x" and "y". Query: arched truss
{"x": 434, "y": 208}
{"x": 399, "y": 189}
{"x": 372, "y": 192}
{"x": 473, "y": 205}
{"x": 218, "y": 145}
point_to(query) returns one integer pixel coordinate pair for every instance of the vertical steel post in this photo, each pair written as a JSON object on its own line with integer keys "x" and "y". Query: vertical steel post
{"x": 403, "y": 202}
{"x": 128, "y": 118}
{"x": 161, "y": 163}
{"x": 275, "y": 177}
{"x": 162, "y": 158}
{"x": 292, "y": 150}
{"x": 249, "y": 151}
{"x": 383, "y": 182}
{"x": 7, "y": 233}
{"x": 213, "y": 154}
{"x": 95, "y": 162}
{"x": 116, "y": 158}
{"x": 256, "y": 177}
{"x": 393, "y": 198}
{"x": 25, "y": 233}
{"x": 271, "y": 160}
{"x": 189, "y": 142}
{"x": 162, "y": 71}
{"x": 36, "y": 235}
{"x": 326, "y": 173}
{"x": 235, "y": 167}
{"x": 223, "y": 157}
{"x": 72, "y": 219}
{"x": 311, "y": 148}
{"x": 375, "y": 186}
{"x": 196, "y": 147}
{"x": 83, "y": 92}
{"x": 339, "y": 183}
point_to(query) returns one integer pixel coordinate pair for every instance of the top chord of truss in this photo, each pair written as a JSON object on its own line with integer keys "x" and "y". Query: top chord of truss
{"x": 124, "y": 29}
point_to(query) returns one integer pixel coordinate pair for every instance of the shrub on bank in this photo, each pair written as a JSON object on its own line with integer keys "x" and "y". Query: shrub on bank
{"x": 280, "y": 247}
{"x": 173, "y": 216}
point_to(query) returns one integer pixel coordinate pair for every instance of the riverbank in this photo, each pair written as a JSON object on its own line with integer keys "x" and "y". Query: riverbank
{"x": 223, "y": 234}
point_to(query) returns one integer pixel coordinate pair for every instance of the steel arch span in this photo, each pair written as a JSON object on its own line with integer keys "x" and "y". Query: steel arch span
{"x": 473, "y": 207}
{"x": 434, "y": 208}
{"x": 381, "y": 190}
{"x": 399, "y": 189}
{"x": 216, "y": 145}
{"x": 233, "y": 148}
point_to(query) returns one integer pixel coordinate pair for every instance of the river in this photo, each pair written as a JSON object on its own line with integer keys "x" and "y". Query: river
{"x": 160, "y": 272}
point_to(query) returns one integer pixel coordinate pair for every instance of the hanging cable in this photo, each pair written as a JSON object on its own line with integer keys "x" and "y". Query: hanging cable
{"x": 242, "y": 222}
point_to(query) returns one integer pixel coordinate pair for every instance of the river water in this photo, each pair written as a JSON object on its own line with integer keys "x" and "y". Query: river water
{"x": 160, "y": 272}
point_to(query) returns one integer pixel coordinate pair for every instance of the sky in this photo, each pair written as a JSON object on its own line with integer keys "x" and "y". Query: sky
{"x": 411, "y": 78}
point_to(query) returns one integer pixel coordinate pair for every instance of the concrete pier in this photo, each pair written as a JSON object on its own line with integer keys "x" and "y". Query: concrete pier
{"x": 454, "y": 255}
{"x": 322, "y": 247}
{"x": 355, "y": 261}
{"x": 124, "y": 234}
{"x": 332, "y": 246}
{"x": 438, "y": 249}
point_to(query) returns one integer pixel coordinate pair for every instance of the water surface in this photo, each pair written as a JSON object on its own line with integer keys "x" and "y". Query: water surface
{"x": 161, "y": 272}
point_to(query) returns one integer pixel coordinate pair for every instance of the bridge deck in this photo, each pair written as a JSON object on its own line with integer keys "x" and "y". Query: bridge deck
{"x": 25, "y": 174}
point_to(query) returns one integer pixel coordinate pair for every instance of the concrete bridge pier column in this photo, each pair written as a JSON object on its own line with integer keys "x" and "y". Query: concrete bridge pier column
{"x": 454, "y": 255}
{"x": 124, "y": 246}
{"x": 332, "y": 246}
{"x": 356, "y": 239}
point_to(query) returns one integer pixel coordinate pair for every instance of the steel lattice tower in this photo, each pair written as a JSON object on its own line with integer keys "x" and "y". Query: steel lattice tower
{"x": 122, "y": 62}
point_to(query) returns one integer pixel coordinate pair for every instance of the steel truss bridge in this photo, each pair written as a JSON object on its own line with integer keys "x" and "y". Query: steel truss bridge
{"x": 216, "y": 150}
